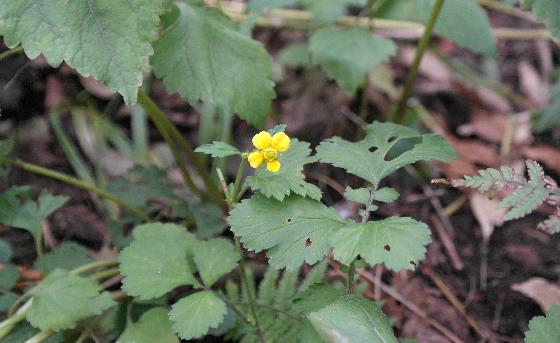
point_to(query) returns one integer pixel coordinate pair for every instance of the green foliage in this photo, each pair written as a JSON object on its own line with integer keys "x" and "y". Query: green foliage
{"x": 66, "y": 256}
{"x": 464, "y": 22}
{"x": 9, "y": 275}
{"x": 194, "y": 315}
{"x": 545, "y": 329}
{"x": 347, "y": 55}
{"x": 264, "y": 5}
{"x": 203, "y": 57}
{"x": 370, "y": 157}
{"x": 547, "y": 12}
{"x": 109, "y": 40}
{"x": 24, "y": 331}
{"x": 315, "y": 298}
{"x": 214, "y": 258}
{"x": 397, "y": 242}
{"x": 27, "y": 214}
{"x": 352, "y": 318}
{"x": 209, "y": 219}
{"x": 328, "y": 11}
{"x": 294, "y": 231}
{"x": 156, "y": 261}
{"x": 62, "y": 299}
{"x": 361, "y": 195}
{"x": 296, "y": 54}
{"x": 278, "y": 321}
{"x": 290, "y": 178}
{"x": 528, "y": 193}
{"x": 153, "y": 326}
{"x": 549, "y": 117}
{"x": 218, "y": 149}
{"x": 5, "y": 251}
{"x": 140, "y": 185}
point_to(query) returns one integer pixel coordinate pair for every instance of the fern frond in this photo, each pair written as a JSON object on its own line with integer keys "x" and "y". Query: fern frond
{"x": 529, "y": 193}
{"x": 277, "y": 321}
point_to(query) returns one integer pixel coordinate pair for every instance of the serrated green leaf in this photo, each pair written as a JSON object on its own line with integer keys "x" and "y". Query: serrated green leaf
{"x": 464, "y": 22}
{"x": 549, "y": 117}
{"x": 398, "y": 242}
{"x": 7, "y": 146}
{"x": 67, "y": 256}
{"x": 545, "y": 329}
{"x": 552, "y": 224}
{"x": 204, "y": 58}
{"x": 194, "y": 315}
{"x": 547, "y": 12}
{"x": 214, "y": 258}
{"x": 315, "y": 298}
{"x": 523, "y": 201}
{"x": 5, "y": 251}
{"x": 361, "y": 195}
{"x": 62, "y": 299}
{"x": 9, "y": 275}
{"x": 352, "y": 318}
{"x": 290, "y": 178}
{"x": 277, "y": 128}
{"x": 156, "y": 261}
{"x": 368, "y": 157}
{"x": 347, "y": 55}
{"x": 218, "y": 149}
{"x": 294, "y": 231}
{"x": 153, "y": 326}
{"x": 109, "y": 40}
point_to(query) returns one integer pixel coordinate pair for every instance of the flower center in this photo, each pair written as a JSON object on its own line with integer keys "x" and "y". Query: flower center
{"x": 270, "y": 154}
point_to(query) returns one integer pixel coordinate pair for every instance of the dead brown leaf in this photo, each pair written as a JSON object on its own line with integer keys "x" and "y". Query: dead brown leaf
{"x": 544, "y": 292}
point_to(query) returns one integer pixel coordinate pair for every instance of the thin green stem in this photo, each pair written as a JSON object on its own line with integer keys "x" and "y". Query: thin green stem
{"x": 105, "y": 274}
{"x": 235, "y": 193}
{"x": 365, "y": 218}
{"x": 35, "y": 169}
{"x": 159, "y": 120}
{"x": 397, "y": 115}
{"x": 8, "y": 324}
{"x": 163, "y": 124}
{"x": 231, "y": 201}
{"x": 11, "y": 52}
{"x": 95, "y": 265}
{"x": 40, "y": 337}
{"x": 39, "y": 251}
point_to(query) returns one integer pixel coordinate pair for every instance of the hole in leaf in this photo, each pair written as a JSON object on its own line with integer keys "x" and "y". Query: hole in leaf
{"x": 372, "y": 149}
{"x": 392, "y": 139}
{"x": 308, "y": 243}
{"x": 403, "y": 145}
{"x": 289, "y": 220}
{"x": 387, "y": 247}
{"x": 414, "y": 264}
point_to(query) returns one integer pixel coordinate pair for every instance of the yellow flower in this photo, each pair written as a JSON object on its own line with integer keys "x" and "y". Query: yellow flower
{"x": 269, "y": 149}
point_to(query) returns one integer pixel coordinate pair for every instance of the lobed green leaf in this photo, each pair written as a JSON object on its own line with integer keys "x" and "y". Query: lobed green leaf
{"x": 195, "y": 314}
{"x": 545, "y": 329}
{"x": 218, "y": 149}
{"x": 153, "y": 326}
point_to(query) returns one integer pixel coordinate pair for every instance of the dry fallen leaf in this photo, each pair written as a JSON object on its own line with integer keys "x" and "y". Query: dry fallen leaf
{"x": 546, "y": 154}
{"x": 544, "y": 292}
{"x": 487, "y": 213}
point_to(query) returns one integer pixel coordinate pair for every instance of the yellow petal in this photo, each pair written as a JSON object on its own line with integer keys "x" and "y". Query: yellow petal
{"x": 273, "y": 166}
{"x": 255, "y": 159}
{"x": 281, "y": 142}
{"x": 262, "y": 140}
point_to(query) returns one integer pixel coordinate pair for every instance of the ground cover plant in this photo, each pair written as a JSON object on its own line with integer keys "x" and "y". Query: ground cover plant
{"x": 279, "y": 171}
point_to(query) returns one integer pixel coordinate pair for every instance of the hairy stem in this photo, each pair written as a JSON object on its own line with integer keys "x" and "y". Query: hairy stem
{"x": 95, "y": 265}
{"x": 397, "y": 115}
{"x": 35, "y": 169}
{"x": 8, "y": 324}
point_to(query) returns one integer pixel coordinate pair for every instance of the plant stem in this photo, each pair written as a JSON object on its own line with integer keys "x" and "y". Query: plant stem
{"x": 397, "y": 115}
{"x": 40, "y": 337}
{"x": 365, "y": 218}
{"x": 105, "y": 274}
{"x": 8, "y": 324}
{"x": 233, "y": 199}
{"x": 33, "y": 168}
{"x": 11, "y": 52}
{"x": 95, "y": 265}
{"x": 39, "y": 251}
{"x": 159, "y": 121}
{"x": 163, "y": 124}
